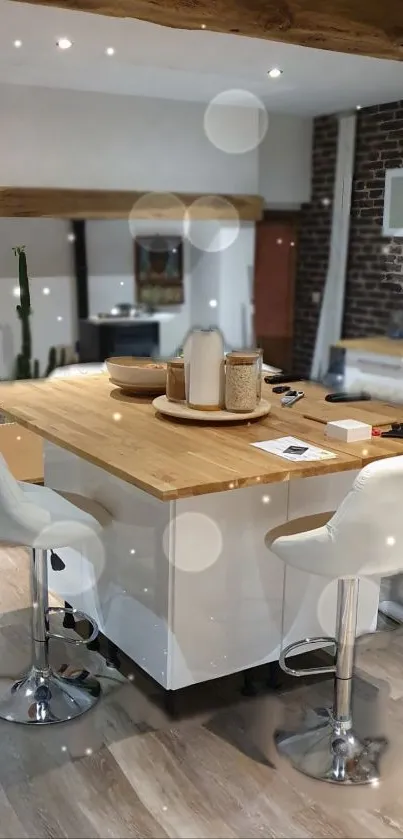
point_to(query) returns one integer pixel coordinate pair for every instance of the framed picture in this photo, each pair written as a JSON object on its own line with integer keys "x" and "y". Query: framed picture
{"x": 158, "y": 270}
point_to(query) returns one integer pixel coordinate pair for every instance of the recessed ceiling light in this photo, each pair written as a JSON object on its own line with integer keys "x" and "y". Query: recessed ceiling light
{"x": 275, "y": 72}
{"x": 64, "y": 43}
{"x": 110, "y": 51}
{"x": 213, "y": 304}
{"x": 18, "y": 43}
{"x": 59, "y": 317}
{"x": 46, "y": 291}
{"x": 358, "y": 107}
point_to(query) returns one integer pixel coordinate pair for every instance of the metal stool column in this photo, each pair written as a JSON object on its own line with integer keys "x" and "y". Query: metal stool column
{"x": 326, "y": 746}
{"x": 44, "y": 696}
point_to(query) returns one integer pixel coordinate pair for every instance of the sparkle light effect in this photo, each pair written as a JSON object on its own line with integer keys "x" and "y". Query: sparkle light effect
{"x": 275, "y": 73}
{"x": 64, "y": 43}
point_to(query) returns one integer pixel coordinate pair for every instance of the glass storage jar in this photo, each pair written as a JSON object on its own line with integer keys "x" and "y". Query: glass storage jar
{"x": 175, "y": 386}
{"x": 241, "y": 381}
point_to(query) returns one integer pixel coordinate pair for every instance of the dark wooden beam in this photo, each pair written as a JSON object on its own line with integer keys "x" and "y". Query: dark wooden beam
{"x": 369, "y": 27}
{"x": 109, "y": 204}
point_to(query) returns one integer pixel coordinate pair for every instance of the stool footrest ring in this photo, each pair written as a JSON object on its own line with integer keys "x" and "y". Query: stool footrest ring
{"x": 307, "y": 671}
{"x": 58, "y": 610}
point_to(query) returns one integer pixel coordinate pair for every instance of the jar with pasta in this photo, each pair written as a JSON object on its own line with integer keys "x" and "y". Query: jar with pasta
{"x": 241, "y": 381}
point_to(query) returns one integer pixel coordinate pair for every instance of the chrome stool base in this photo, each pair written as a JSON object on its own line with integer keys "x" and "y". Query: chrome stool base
{"x": 43, "y": 697}
{"x": 328, "y": 751}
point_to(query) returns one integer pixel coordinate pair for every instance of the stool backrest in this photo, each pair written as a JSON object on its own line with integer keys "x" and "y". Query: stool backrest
{"x": 19, "y": 517}
{"x": 367, "y": 529}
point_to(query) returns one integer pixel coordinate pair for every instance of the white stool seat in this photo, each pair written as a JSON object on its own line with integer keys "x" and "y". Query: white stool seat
{"x": 43, "y": 520}
{"x": 66, "y": 525}
{"x": 38, "y": 517}
{"x": 363, "y": 538}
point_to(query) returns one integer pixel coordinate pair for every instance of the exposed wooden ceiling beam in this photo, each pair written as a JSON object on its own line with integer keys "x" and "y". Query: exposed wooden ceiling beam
{"x": 369, "y": 27}
{"x": 110, "y": 204}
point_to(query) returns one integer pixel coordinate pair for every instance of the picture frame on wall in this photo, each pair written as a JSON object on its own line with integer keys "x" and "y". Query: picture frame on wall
{"x": 158, "y": 267}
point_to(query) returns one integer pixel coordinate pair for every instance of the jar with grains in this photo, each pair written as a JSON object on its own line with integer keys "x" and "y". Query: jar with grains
{"x": 241, "y": 381}
{"x": 175, "y": 386}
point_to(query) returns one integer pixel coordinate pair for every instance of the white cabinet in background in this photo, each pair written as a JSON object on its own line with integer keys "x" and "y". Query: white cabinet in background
{"x": 379, "y": 375}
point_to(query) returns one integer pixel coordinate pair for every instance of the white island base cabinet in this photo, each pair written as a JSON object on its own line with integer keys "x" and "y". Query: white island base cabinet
{"x": 187, "y": 588}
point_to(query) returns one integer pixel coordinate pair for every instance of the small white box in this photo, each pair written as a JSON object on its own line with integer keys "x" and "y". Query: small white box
{"x": 349, "y": 430}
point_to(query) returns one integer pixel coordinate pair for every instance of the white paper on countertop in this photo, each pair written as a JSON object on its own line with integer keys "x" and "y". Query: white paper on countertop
{"x": 279, "y": 446}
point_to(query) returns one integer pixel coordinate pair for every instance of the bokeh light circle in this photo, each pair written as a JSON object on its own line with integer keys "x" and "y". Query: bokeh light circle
{"x": 236, "y": 121}
{"x": 211, "y": 235}
{"x": 164, "y": 209}
{"x": 327, "y": 605}
{"x": 198, "y": 542}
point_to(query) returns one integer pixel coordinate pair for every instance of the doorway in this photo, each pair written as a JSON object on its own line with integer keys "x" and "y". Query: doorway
{"x": 274, "y": 287}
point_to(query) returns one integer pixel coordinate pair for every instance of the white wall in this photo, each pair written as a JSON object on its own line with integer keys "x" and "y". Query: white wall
{"x": 77, "y": 139}
{"x": 49, "y": 257}
{"x": 285, "y": 161}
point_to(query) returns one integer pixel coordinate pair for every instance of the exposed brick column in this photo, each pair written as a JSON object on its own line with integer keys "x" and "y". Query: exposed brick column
{"x": 374, "y": 262}
{"x": 314, "y": 242}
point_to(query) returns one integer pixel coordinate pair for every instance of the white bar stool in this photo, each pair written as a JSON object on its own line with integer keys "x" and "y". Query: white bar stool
{"x": 42, "y": 520}
{"x": 363, "y": 538}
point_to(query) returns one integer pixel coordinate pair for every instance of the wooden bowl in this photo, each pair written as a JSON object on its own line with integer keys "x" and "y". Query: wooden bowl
{"x": 138, "y": 372}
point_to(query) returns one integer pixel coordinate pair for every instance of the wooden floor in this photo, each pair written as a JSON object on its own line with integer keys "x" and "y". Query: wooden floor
{"x": 126, "y": 770}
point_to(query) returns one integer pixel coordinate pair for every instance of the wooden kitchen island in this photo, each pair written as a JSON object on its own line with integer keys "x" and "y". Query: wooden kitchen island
{"x": 185, "y": 585}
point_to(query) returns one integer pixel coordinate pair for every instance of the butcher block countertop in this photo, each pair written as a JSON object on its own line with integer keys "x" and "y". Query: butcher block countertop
{"x": 378, "y": 345}
{"x": 91, "y": 418}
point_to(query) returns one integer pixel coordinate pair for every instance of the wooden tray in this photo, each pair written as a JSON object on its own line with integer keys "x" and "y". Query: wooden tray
{"x": 138, "y": 389}
{"x": 179, "y": 410}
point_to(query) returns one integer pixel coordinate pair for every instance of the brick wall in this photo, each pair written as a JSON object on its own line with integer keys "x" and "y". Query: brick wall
{"x": 374, "y": 262}
{"x": 314, "y": 242}
{"x": 374, "y": 282}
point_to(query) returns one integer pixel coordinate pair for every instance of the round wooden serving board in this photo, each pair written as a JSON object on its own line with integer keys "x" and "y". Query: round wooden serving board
{"x": 179, "y": 410}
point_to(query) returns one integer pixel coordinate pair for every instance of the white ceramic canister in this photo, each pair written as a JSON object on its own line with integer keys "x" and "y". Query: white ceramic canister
{"x": 204, "y": 369}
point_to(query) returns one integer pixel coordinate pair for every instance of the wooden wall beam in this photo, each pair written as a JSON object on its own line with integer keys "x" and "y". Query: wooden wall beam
{"x": 106, "y": 204}
{"x": 369, "y": 27}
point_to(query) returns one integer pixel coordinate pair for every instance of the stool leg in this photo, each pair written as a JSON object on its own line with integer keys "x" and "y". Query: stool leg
{"x": 326, "y": 746}
{"x": 347, "y": 605}
{"x": 43, "y": 696}
{"x": 39, "y": 614}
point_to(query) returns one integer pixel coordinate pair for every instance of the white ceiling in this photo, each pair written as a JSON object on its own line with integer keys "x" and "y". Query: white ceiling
{"x": 177, "y": 64}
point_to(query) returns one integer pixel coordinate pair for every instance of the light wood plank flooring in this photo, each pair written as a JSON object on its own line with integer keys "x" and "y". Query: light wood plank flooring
{"x": 127, "y": 770}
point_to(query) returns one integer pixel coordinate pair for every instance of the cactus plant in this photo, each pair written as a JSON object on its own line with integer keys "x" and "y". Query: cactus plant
{"x": 51, "y": 361}
{"x": 23, "y": 369}
{"x": 24, "y": 311}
